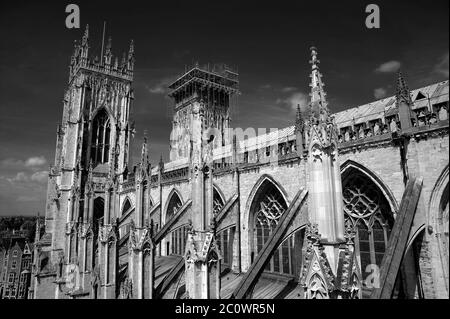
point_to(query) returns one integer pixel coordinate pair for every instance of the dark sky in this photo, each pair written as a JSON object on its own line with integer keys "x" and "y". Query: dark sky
{"x": 268, "y": 41}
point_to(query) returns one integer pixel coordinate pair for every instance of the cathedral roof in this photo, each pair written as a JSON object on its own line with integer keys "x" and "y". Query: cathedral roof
{"x": 422, "y": 97}
{"x": 437, "y": 93}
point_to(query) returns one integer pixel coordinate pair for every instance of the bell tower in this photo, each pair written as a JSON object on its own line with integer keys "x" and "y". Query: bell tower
{"x": 202, "y": 99}
{"x": 216, "y": 88}
{"x": 92, "y": 151}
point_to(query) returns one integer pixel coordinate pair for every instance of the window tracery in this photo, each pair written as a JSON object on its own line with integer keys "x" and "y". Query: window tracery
{"x": 100, "y": 142}
{"x": 368, "y": 211}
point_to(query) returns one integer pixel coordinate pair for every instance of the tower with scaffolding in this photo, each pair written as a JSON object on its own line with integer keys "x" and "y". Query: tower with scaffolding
{"x": 215, "y": 88}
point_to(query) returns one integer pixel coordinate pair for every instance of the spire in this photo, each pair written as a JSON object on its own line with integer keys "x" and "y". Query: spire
{"x": 123, "y": 65}
{"x": 85, "y": 38}
{"x": 299, "y": 120}
{"x": 161, "y": 163}
{"x": 403, "y": 94}
{"x": 144, "y": 151}
{"x": 85, "y": 43}
{"x": 37, "y": 233}
{"x": 109, "y": 45}
{"x": 318, "y": 105}
{"x": 108, "y": 54}
{"x": 131, "y": 56}
{"x": 131, "y": 51}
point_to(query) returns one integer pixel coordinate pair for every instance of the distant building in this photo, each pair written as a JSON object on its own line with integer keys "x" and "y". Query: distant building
{"x": 16, "y": 255}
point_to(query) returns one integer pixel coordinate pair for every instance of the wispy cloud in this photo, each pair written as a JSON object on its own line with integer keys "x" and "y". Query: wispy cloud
{"x": 288, "y": 89}
{"x": 35, "y": 161}
{"x": 296, "y": 98}
{"x": 24, "y": 177}
{"x": 388, "y": 67}
{"x": 160, "y": 87}
{"x": 379, "y": 93}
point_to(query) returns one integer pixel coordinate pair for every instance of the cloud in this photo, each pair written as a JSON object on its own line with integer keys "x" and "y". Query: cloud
{"x": 388, "y": 67}
{"x": 161, "y": 87}
{"x": 22, "y": 177}
{"x": 35, "y": 161}
{"x": 265, "y": 86}
{"x": 288, "y": 89}
{"x": 297, "y": 98}
{"x": 18, "y": 164}
{"x": 442, "y": 66}
{"x": 40, "y": 177}
{"x": 379, "y": 93}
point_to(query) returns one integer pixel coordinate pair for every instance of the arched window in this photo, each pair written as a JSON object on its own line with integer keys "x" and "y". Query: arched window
{"x": 100, "y": 143}
{"x": 173, "y": 206}
{"x": 267, "y": 207}
{"x": 126, "y": 206}
{"x": 368, "y": 211}
{"x": 444, "y": 226}
{"x": 217, "y": 202}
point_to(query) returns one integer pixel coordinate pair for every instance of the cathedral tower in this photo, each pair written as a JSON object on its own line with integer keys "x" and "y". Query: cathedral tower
{"x": 215, "y": 88}
{"x": 201, "y": 121}
{"x": 91, "y": 158}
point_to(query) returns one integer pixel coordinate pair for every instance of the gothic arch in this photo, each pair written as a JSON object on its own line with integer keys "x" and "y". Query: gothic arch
{"x": 99, "y": 208}
{"x": 218, "y": 199}
{"x": 369, "y": 210}
{"x": 173, "y": 195}
{"x": 349, "y": 164}
{"x": 125, "y": 207}
{"x": 219, "y": 192}
{"x": 257, "y": 187}
{"x": 106, "y": 109}
{"x": 266, "y": 205}
{"x": 101, "y": 136}
{"x": 438, "y": 218}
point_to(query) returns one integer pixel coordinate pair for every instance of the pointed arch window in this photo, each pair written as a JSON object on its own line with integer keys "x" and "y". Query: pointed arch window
{"x": 173, "y": 206}
{"x": 101, "y": 134}
{"x": 368, "y": 212}
{"x": 267, "y": 208}
{"x": 217, "y": 202}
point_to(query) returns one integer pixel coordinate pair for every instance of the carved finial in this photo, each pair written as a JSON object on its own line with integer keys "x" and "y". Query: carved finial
{"x": 299, "y": 123}
{"x": 161, "y": 163}
{"x": 109, "y": 44}
{"x": 131, "y": 51}
{"x": 144, "y": 151}
{"x": 130, "y": 65}
{"x": 318, "y": 105}
{"x": 85, "y": 38}
{"x": 403, "y": 94}
{"x": 123, "y": 64}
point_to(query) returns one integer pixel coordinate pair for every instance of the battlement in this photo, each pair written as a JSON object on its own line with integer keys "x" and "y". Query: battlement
{"x": 104, "y": 64}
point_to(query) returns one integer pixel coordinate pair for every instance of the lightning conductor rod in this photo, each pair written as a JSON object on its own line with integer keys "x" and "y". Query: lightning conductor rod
{"x": 103, "y": 42}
